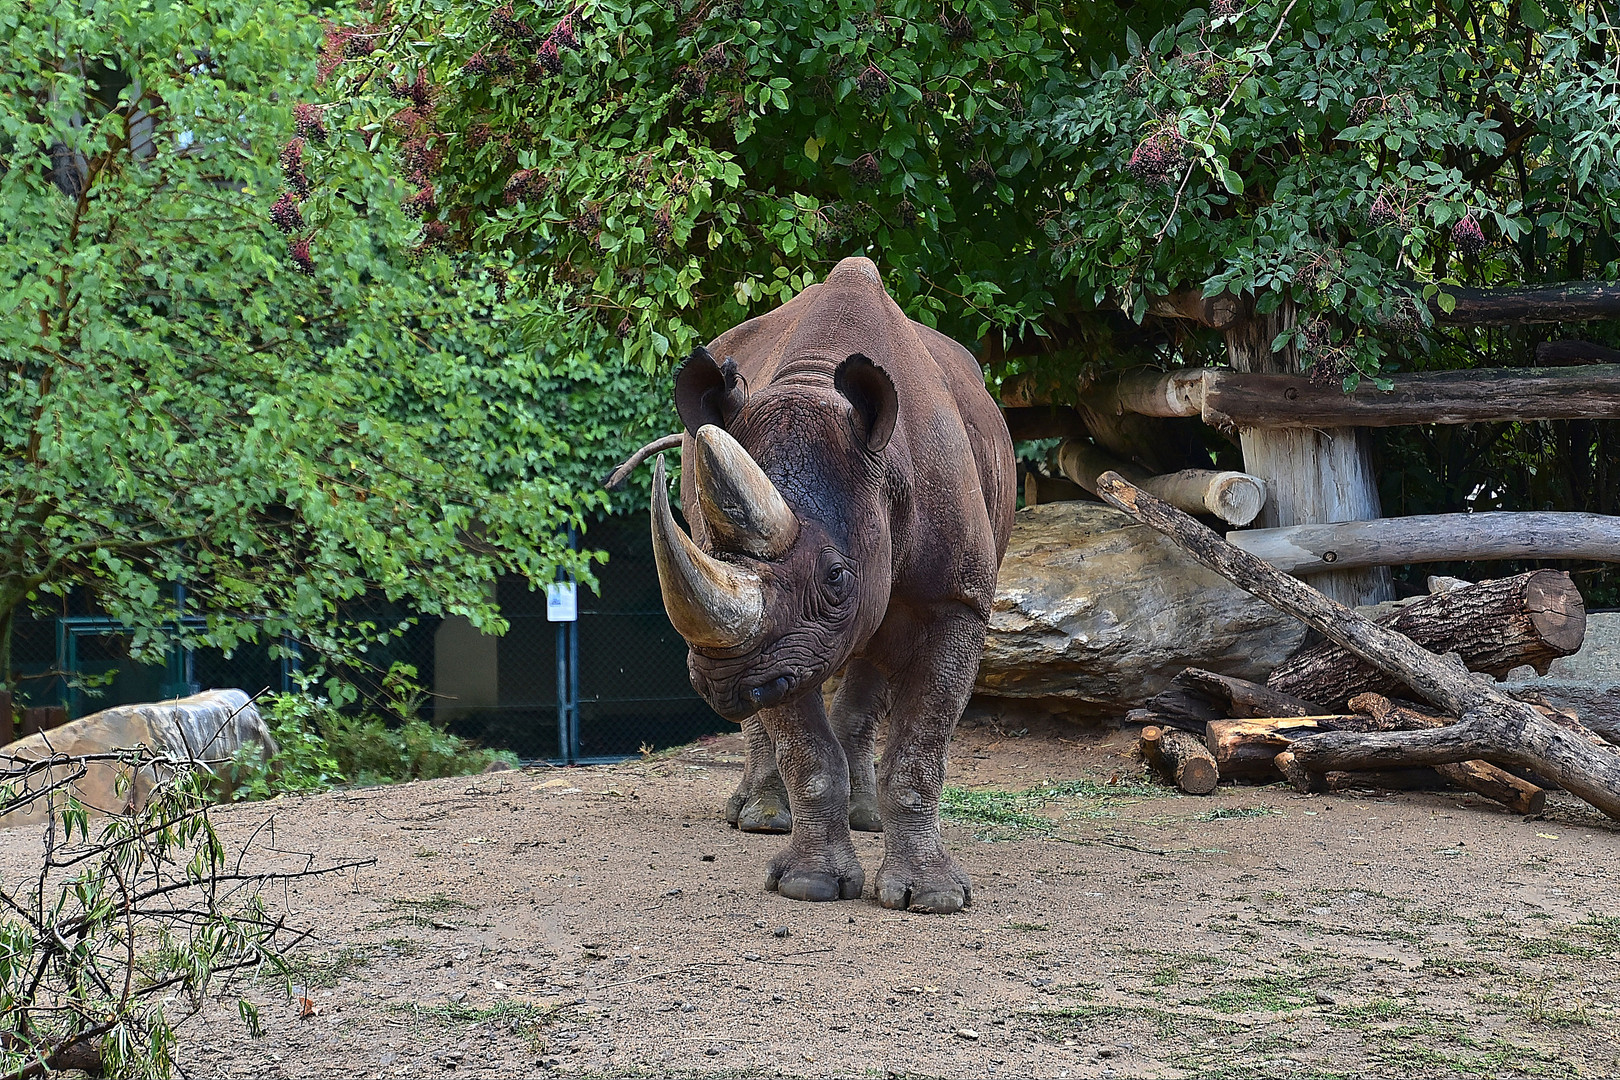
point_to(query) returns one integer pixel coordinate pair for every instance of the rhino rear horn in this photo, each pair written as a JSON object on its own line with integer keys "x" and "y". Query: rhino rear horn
{"x": 711, "y": 604}
{"x": 741, "y": 506}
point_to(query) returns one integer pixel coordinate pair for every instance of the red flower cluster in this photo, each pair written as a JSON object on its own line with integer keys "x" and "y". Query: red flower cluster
{"x": 298, "y": 251}
{"x": 865, "y": 170}
{"x": 1157, "y": 156}
{"x": 285, "y": 214}
{"x": 1468, "y": 236}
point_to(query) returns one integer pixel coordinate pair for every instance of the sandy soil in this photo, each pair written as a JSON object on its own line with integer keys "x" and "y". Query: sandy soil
{"x": 605, "y": 922}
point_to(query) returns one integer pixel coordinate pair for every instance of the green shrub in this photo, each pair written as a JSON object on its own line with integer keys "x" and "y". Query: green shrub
{"x": 321, "y": 747}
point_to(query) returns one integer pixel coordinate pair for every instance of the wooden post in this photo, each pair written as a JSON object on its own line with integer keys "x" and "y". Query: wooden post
{"x": 8, "y": 719}
{"x": 1312, "y": 475}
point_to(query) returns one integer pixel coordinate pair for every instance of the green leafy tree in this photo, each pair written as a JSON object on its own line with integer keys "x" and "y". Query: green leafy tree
{"x": 188, "y": 397}
{"x": 1030, "y": 177}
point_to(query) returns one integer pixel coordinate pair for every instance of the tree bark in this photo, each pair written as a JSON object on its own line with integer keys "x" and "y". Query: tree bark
{"x": 1311, "y": 474}
{"x": 1247, "y": 749}
{"x": 1234, "y": 401}
{"x": 1481, "y": 777}
{"x": 1493, "y": 726}
{"x": 1241, "y": 699}
{"x": 1306, "y": 549}
{"x": 1571, "y": 301}
{"x": 1495, "y": 626}
{"x": 1234, "y": 497}
{"x": 1181, "y": 759}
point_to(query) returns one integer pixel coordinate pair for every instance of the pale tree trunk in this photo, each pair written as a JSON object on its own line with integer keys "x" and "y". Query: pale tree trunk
{"x": 1313, "y": 475}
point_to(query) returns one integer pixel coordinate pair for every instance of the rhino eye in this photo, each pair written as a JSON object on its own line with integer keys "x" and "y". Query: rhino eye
{"x": 836, "y": 575}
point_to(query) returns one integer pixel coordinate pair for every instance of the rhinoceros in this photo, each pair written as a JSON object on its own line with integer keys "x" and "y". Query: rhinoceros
{"x": 848, "y": 483}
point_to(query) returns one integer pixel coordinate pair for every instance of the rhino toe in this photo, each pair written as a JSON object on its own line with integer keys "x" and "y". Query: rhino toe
{"x": 766, "y": 812}
{"x": 935, "y": 887}
{"x": 863, "y": 812}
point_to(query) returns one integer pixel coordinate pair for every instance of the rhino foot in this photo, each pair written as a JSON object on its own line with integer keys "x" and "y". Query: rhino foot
{"x": 802, "y": 876}
{"x": 934, "y": 885}
{"x": 863, "y": 812}
{"x": 734, "y": 804}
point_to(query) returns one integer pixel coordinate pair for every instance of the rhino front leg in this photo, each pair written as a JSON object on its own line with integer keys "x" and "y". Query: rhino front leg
{"x": 819, "y": 862}
{"x": 861, "y": 701}
{"x": 760, "y": 803}
{"x": 929, "y": 694}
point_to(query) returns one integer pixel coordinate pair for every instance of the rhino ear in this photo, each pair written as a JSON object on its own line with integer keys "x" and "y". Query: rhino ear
{"x": 869, "y": 388}
{"x": 706, "y": 392}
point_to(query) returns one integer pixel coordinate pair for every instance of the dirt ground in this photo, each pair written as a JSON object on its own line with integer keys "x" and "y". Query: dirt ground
{"x": 604, "y": 921}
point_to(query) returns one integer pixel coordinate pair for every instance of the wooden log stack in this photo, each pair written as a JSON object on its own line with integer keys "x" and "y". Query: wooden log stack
{"x": 1326, "y": 720}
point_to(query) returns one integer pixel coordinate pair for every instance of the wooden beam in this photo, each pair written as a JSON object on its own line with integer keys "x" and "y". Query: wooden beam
{"x": 1308, "y": 549}
{"x": 1215, "y": 312}
{"x": 1570, "y": 301}
{"x": 1232, "y": 400}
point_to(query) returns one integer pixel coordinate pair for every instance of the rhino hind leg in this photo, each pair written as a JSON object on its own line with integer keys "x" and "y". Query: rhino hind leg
{"x": 861, "y": 701}
{"x": 819, "y": 862}
{"x": 760, "y": 803}
{"x": 918, "y": 874}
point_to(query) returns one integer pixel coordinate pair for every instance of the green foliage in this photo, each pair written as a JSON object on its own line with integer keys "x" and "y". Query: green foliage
{"x": 321, "y": 746}
{"x": 1349, "y": 157}
{"x": 683, "y": 167}
{"x": 95, "y": 961}
{"x": 179, "y": 403}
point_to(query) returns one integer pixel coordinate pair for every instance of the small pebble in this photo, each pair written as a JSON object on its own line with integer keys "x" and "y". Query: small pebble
{"x": 782, "y": 931}
{"x": 1325, "y": 998}
{"x": 967, "y": 1033}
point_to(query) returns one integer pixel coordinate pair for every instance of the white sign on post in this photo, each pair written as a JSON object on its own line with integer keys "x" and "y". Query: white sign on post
{"x": 562, "y": 602}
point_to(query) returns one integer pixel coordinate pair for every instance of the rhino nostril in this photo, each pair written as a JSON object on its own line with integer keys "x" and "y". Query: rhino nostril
{"x": 769, "y": 694}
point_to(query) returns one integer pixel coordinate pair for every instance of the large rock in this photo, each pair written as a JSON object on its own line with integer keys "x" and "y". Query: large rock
{"x": 1587, "y": 682}
{"x": 208, "y": 728}
{"x": 1097, "y": 614}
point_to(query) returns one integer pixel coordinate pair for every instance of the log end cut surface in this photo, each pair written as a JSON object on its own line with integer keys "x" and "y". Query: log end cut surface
{"x": 1556, "y": 609}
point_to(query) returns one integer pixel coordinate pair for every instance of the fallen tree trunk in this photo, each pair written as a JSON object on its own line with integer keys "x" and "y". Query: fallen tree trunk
{"x": 1551, "y": 353}
{"x": 1181, "y": 759}
{"x": 1247, "y": 749}
{"x": 1234, "y": 497}
{"x": 1481, "y": 777}
{"x": 1492, "y": 726}
{"x": 1310, "y": 549}
{"x": 1495, "y": 626}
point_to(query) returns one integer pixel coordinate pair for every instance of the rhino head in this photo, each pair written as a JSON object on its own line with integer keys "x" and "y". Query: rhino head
{"x": 788, "y": 567}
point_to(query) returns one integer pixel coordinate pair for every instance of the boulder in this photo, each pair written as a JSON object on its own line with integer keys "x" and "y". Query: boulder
{"x": 1094, "y": 614}
{"x": 208, "y": 728}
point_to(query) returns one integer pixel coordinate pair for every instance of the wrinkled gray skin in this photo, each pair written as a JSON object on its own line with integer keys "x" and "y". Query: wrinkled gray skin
{"x": 879, "y": 435}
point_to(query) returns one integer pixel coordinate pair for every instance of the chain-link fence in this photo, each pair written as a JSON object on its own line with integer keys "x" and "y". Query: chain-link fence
{"x": 621, "y": 666}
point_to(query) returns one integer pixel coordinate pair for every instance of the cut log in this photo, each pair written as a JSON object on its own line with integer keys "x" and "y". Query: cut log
{"x": 1247, "y": 749}
{"x": 1495, "y": 626}
{"x": 1181, "y": 759}
{"x": 1492, "y": 726}
{"x": 1499, "y": 785}
{"x": 1234, "y": 400}
{"x": 1241, "y": 699}
{"x": 1234, "y": 497}
{"x": 1307, "y": 549}
{"x": 1039, "y": 490}
{"x": 1571, "y": 301}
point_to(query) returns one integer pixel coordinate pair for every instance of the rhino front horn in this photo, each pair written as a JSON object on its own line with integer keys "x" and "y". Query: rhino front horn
{"x": 710, "y": 603}
{"x": 743, "y": 509}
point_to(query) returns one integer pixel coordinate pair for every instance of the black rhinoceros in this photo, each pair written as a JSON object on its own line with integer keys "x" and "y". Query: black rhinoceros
{"x": 849, "y": 486}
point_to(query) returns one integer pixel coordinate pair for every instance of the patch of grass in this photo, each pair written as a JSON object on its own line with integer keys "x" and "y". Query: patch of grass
{"x": 1029, "y": 926}
{"x": 436, "y": 904}
{"x": 322, "y": 971}
{"x": 1270, "y": 993}
{"x": 1014, "y": 809}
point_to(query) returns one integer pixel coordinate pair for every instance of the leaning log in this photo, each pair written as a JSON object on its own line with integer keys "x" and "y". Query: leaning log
{"x": 1495, "y": 626}
{"x": 1491, "y": 727}
{"x": 1309, "y": 549}
{"x": 1181, "y": 759}
{"x": 1233, "y": 400}
{"x": 1234, "y": 497}
{"x": 1570, "y": 301}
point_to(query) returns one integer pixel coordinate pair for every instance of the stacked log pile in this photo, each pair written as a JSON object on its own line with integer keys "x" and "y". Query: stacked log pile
{"x": 1333, "y": 716}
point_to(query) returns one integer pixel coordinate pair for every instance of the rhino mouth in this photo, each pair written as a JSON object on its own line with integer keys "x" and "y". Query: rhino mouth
{"x": 740, "y": 700}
